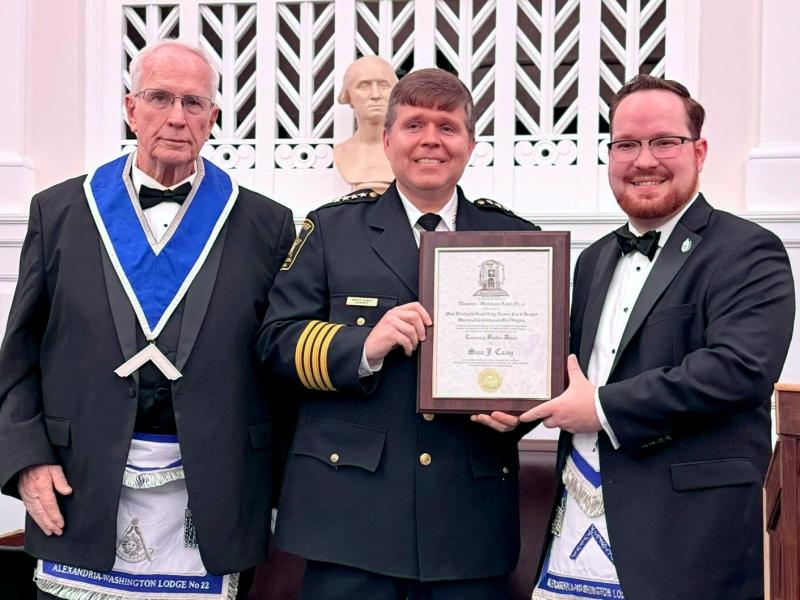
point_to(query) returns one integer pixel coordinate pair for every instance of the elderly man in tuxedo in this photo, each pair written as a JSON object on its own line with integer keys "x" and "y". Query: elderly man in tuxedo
{"x": 135, "y": 421}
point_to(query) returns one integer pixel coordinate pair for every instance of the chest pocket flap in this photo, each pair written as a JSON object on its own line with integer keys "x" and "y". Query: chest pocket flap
{"x": 360, "y": 309}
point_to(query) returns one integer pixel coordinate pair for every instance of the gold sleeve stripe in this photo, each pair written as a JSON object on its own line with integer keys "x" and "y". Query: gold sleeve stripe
{"x": 308, "y": 352}
{"x": 298, "y": 353}
{"x": 311, "y": 355}
{"x": 326, "y": 380}
{"x": 316, "y": 358}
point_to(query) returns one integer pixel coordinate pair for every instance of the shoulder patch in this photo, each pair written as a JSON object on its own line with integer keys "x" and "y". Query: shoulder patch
{"x": 487, "y": 204}
{"x": 305, "y": 230}
{"x": 365, "y": 195}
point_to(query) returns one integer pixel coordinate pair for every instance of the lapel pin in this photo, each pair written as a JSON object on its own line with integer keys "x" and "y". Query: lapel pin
{"x": 686, "y": 246}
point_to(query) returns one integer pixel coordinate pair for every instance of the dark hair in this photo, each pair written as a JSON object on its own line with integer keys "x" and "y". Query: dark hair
{"x": 695, "y": 113}
{"x": 434, "y": 89}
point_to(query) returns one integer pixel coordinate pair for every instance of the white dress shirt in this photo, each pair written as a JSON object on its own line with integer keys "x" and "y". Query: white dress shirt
{"x": 162, "y": 214}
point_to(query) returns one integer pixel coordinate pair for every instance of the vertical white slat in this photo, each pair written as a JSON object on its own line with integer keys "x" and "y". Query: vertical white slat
{"x": 151, "y": 24}
{"x": 632, "y": 39}
{"x": 548, "y": 51}
{"x": 306, "y": 117}
{"x": 385, "y": 41}
{"x": 344, "y": 54}
{"x": 505, "y": 85}
{"x": 465, "y": 34}
{"x": 683, "y": 42}
{"x": 588, "y": 102}
{"x": 189, "y": 21}
{"x": 424, "y": 27}
{"x": 228, "y": 72}
{"x": 266, "y": 95}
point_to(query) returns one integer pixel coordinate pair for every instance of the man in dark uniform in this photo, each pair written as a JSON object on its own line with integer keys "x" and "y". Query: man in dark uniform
{"x": 134, "y": 417}
{"x": 382, "y": 501}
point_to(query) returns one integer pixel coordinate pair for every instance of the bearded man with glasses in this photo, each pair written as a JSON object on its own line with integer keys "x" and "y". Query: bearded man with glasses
{"x": 135, "y": 423}
{"x": 681, "y": 321}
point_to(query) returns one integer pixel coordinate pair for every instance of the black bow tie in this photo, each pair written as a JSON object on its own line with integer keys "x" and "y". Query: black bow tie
{"x": 148, "y": 197}
{"x": 646, "y": 244}
{"x": 429, "y": 221}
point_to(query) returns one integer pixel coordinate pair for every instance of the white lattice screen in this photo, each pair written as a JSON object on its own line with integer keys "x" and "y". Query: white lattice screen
{"x": 541, "y": 71}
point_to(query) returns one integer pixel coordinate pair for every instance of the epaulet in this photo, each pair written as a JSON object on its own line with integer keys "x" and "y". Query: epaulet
{"x": 365, "y": 195}
{"x": 487, "y": 204}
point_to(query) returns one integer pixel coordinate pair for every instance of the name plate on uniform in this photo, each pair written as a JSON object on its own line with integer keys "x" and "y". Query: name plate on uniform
{"x": 499, "y": 302}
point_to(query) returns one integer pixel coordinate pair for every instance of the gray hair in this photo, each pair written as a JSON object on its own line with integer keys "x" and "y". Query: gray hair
{"x": 138, "y": 62}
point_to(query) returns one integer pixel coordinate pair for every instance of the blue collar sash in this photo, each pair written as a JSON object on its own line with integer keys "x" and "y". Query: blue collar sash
{"x": 156, "y": 274}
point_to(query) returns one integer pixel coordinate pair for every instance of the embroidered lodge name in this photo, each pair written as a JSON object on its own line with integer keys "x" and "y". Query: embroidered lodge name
{"x": 119, "y": 580}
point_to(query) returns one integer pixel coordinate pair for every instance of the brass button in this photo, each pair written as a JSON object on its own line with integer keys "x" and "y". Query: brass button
{"x": 505, "y": 470}
{"x": 427, "y": 416}
{"x": 424, "y": 459}
{"x": 360, "y": 321}
{"x": 334, "y": 458}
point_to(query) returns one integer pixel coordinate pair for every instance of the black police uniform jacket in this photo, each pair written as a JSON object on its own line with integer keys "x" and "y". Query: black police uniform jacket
{"x": 71, "y": 325}
{"x": 355, "y": 492}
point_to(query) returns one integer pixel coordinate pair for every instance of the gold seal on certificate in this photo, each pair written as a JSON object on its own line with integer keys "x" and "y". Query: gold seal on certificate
{"x": 499, "y": 303}
{"x": 490, "y": 380}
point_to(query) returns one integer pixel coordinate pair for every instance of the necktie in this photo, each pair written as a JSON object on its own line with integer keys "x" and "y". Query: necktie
{"x": 646, "y": 244}
{"x": 148, "y": 197}
{"x": 429, "y": 221}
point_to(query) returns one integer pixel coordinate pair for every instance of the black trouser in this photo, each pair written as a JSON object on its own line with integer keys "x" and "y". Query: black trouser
{"x": 326, "y": 581}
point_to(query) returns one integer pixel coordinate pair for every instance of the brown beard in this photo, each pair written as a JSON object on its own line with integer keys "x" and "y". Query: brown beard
{"x": 648, "y": 210}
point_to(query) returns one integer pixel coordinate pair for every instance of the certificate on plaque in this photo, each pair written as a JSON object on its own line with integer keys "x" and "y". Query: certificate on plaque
{"x": 499, "y": 302}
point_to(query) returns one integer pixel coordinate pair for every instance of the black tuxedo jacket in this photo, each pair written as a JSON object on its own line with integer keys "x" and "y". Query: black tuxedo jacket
{"x": 71, "y": 325}
{"x": 355, "y": 492}
{"x": 688, "y": 398}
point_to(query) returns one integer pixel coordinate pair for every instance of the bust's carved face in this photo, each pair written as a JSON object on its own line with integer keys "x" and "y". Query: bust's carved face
{"x": 367, "y": 85}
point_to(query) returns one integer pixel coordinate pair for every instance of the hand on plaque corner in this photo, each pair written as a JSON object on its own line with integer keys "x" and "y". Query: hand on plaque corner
{"x": 572, "y": 411}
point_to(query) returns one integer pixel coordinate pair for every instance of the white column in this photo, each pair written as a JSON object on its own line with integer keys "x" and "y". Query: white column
{"x": 773, "y": 167}
{"x": 16, "y": 170}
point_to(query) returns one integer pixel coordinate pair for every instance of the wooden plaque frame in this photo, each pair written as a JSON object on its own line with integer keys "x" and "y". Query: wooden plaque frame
{"x": 559, "y": 243}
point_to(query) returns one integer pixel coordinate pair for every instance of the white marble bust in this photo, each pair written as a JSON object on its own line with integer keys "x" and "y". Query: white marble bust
{"x": 360, "y": 159}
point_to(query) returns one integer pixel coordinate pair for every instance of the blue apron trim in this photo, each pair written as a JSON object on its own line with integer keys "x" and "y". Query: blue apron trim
{"x": 161, "y": 438}
{"x": 156, "y": 276}
{"x": 586, "y": 469}
{"x": 177, "y": 463}
{"x": 592, "y": 534}
{"x": 130, "y": 582}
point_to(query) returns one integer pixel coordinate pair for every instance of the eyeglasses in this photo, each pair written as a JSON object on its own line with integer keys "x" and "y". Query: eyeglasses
{"x": 161, "y": 99}
{"x": 661, "y": 147}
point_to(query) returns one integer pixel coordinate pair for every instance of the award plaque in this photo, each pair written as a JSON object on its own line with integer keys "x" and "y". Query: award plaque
{"x": 499, "y": 302}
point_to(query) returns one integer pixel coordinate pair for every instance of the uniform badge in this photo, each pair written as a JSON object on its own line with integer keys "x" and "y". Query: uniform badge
{"x": 305, "y": 230}
{"x": 686, "y": 246}
{"x": 132, "y": 547}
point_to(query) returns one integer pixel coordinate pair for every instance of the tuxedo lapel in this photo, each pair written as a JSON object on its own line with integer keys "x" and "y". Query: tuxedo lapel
{"x": 598, "y": 288}
{"x": 121, "y": 312}
{"x": 681, "y": 244}
{"x": 395, "y": 245}
{"x": 197, "y": 298}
